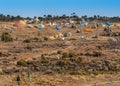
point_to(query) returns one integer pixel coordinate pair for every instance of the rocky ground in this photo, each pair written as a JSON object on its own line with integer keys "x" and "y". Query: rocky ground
{"x": 81, "y": 59}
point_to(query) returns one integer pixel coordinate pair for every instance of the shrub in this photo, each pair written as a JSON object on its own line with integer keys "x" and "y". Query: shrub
{"x": 59, "y": 52}
{"x": 79, "y": 59}
{"x": 62, "y": 71}
{"x": 49, "y": 72}
{"x": 33, "y": 63}
{"x": 63, "y": 62}
{"x": 71, "y": 55}
{"x": 97, "y": 54}
{"x": 28, "y": 47}
{"x": 27, "y": 41}
{"x": 88, "y": 54}
{"x": 21, "y": 62}
{"x": 73, "y": 39}
{"x": 1, "y": 54}
{"x": 75, "y": 73}
{"x": 44, "y": 61}
{"x": 36, "y": 38}
{"x": 65, "y": 55}
{"x": 46, "y": 38}
{"x": 97, "y": 72}
{"x": 81, "y": 54}
{"x": 6, "y": 37}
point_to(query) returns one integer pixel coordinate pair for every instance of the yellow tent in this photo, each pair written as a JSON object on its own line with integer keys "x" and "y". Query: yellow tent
{"x": 22, "y": 22}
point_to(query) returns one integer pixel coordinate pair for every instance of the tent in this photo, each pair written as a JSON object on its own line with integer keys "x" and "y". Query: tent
{"x": 102, "y": 25}
{"x": 71, "y": 21}
{"x": 88, "y": 20}
{"x": 58, "y": 27}
{"x": 11, "y": 31}
{"x": 54, "y": 24}
{"x": 82, "y": 38}
{"x": 109, "y": 24}
{"x": 41, "y": 27}
{"x": 46, "y": 25}
{"x": 78, "y": 31}
{"x": 50, "y": 24}
{"x": 36, "y": 20}
{"x": 89, "y": 30}
{"x": 83, "y": 21}
{"x": 81, "y": 25}
{"x": 22, "y": 22}
{"x": 19, "y": 24}
{"x": 41, "y": 22}
{"x": 16, "y": 25}
{"x": 29, "y": 26}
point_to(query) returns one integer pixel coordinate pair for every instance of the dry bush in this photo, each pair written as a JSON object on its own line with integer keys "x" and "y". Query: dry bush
{"x": 27, "y": 41}
{"x": 6, "y": 37}
{"x": 22, "y": 62}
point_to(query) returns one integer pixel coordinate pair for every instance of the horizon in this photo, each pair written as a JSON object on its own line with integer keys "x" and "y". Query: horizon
{"x": 31, "y": 8}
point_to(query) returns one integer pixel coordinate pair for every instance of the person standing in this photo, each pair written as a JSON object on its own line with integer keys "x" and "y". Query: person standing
{"x": 18, "y": 80}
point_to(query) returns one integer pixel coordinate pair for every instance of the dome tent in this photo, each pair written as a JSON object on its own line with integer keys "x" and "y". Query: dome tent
{"x": 83, "y": 21}
{"x": 89, "y": 30}
{"x": 19, "y": 23}
{"x": 58, "y": 27}
{"x": 41, "y": 27}
{"x": 81, "y": 25}
{"x": 109, "y": 24}
{"x": 41, "y": 22}
{"x": 22, "y": 22}
{"x": 70, "y": 21}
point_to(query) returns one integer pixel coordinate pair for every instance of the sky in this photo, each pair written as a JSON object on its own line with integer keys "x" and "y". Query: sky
{"x": 33, "y": 8}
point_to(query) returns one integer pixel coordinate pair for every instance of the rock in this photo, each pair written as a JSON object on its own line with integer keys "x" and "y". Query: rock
{"x": 112, "y": 41}
{"x": 82, "y": 38}
{"x": 78, "y": 31}
{"x": 116, "y": 50}
{"x": 67, "y": 34}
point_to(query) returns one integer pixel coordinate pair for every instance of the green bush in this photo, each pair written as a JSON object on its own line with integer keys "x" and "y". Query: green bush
{"x": 6, "y": 37}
